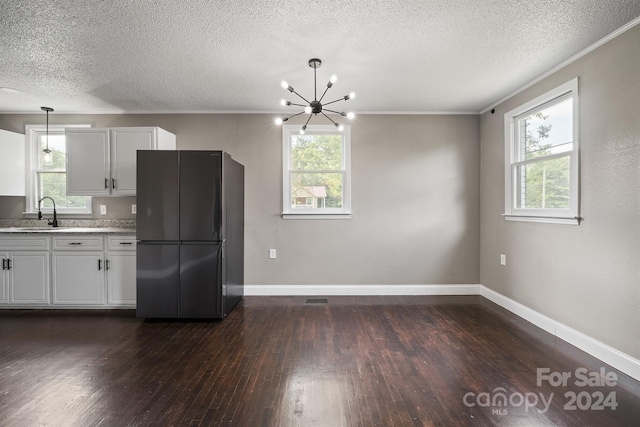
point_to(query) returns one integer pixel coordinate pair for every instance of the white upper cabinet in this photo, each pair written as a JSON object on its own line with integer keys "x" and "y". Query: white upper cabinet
{"x": 12, "y": 164}
{"x": 102, "y": 161}
{"x": 88, "y": 162}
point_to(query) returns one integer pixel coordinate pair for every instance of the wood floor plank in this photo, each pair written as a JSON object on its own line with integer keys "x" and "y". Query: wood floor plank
{"x": 278, "y": 361}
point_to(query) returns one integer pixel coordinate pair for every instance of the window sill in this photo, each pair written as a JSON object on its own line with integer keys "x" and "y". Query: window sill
{"x": 315, "y": 216}
{"x": 575, "y": 220}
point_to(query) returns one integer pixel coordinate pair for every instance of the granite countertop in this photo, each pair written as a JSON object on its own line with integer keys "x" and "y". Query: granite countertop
{"x": 69, "y": 230}
{"x": 68, "y": 226}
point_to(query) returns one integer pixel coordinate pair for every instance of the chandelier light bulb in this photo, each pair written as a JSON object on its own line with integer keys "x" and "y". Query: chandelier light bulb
{"x": 278, "y": 121}
{"x": 350, "y": 115}
{"x": 340, "y": 127}
{"x": 333, "y": 79}
{"x": 352, "y": 95}
{"x": 303, "y": 129}
{"x": 284, "y": 85}
{"x": 307, "y": 109}
{"x": 283, "y": 102}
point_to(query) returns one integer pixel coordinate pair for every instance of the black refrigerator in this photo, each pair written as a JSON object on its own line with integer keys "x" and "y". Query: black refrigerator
{"x": 190, "y": 232}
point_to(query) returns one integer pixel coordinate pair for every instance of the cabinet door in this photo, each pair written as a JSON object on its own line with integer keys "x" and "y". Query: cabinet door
{"x": 88, "y": 162}
{"x": 29, "y": 277}
{"x": 124, "y": 144}
{"x": 121, "y": 278}
{"x": 78, "y": 278}
{"x": 12, "y": 164}
{"x": 3, "y": 278}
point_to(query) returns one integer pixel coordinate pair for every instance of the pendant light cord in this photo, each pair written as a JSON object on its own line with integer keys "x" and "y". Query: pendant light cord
{"x": 47, "y": 109}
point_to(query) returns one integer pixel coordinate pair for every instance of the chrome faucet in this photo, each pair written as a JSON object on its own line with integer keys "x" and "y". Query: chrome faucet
{"x": 52, "y": 222}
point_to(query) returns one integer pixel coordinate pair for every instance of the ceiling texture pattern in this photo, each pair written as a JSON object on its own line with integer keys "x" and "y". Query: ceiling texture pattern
{"x": 414, "y": 56}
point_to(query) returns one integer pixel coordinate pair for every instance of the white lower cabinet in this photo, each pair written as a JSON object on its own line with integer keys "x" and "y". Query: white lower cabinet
{"x": 82, "y": 266}
{"x": 89, "y": 270}
{"x": 121, "y": 270}
{"x": 24, "y": 278}
{"x": 77, "y": 270}
{"x": 78, "y": 278}
{"x": 29, "y": 278}
{"x": 3, "y": 278}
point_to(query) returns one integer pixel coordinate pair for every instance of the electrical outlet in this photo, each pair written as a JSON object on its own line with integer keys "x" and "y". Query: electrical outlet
{"x": 103, "y": 209}
{"x": 272, "y": 254}
{"x": 134, "y": 209}
{"x": 503, "y": 259}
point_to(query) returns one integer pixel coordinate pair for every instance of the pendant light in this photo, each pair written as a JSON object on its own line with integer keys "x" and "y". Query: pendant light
{"x": 315, "y": 107}
{"x": 47, "y": 158}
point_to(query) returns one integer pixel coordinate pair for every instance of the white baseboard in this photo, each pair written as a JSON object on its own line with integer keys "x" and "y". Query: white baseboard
{"x": 344, "y": 290}
{"x": 595, "y": 348}
{"x": 540, "y": 320}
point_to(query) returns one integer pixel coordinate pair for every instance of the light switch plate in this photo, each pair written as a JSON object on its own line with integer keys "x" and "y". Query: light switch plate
{"x": 134, "y": 209}
{"x": 272, "y": 253}
{"x": 103, "y": 209}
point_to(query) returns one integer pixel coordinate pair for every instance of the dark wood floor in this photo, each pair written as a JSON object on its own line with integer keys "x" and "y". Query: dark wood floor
{"x": 279, "y": 361}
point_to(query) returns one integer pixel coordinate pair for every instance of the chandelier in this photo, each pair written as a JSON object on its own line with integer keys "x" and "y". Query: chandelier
{"x": 315, "y": 107}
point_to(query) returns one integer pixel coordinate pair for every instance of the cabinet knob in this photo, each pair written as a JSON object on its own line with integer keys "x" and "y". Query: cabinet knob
{"x": 113, "y": 183}
{"x": 99, "y": 264}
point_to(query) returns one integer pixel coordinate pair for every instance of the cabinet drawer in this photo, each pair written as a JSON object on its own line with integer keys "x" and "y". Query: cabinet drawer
{"x": 78, "y": 243}
{"x": 24, "y": 243}
{"x": 121, "y": 243}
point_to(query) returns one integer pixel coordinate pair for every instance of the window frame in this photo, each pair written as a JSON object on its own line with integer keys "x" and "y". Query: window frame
{"x": 316, "y": 213}
{"x": 512, "y": 147}
{"x": 32, "y": 170}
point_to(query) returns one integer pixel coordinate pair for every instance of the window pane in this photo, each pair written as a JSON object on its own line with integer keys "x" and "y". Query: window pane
{"x": 547, "y": 131}
{"x": 316, "y": 152}
{"x": 56, "y": 158}
{"x": 54, "y": 185}
{"x": 543, "y": 184}
{"x": 316, "y": 190}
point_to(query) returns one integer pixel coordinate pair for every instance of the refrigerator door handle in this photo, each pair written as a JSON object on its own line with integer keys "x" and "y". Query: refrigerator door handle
{"x": 220, "y": 278}
{"x": 217, "y": 207}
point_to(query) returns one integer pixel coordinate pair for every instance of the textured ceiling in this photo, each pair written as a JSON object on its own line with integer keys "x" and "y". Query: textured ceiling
{"x": 207, "y": 55}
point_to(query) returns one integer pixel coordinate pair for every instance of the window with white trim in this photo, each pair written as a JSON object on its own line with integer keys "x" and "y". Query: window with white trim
{"x": 541, "y": 158}
{"x": 47, "y": 173}
{"x": 316, "y": 172}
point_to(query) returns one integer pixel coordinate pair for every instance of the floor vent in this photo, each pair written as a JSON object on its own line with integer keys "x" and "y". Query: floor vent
{"x": 317, "y": 301}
